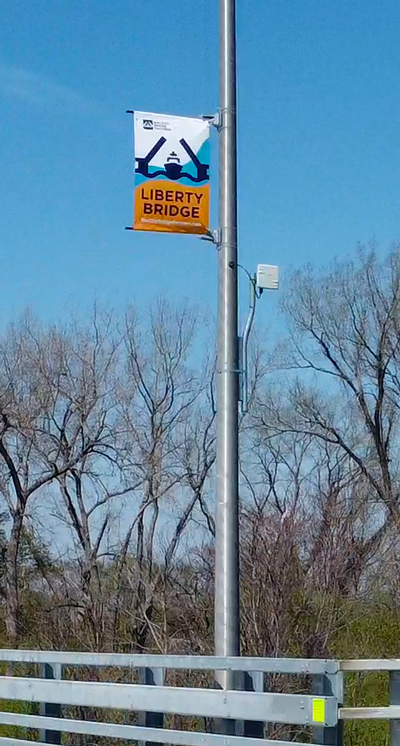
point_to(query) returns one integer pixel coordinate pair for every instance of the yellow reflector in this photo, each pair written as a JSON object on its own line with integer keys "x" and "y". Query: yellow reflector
{"x": 318, "y": 710}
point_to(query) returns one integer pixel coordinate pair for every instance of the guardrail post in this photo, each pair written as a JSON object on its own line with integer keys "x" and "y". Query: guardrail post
{"x": 229, "y": 727}
{"x": 151, "y": 677}
{"x": 254, "y": 682}
{"x": 50, "y": 671}
{"x": 395, "y": 700}
{"x": 329, "y": 685}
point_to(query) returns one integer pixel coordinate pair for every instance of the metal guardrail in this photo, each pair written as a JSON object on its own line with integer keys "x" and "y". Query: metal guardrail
{"x": 243, "y": 712}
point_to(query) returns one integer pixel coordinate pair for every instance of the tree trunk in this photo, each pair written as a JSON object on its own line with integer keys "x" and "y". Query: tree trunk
{"x": 12, "y": 606}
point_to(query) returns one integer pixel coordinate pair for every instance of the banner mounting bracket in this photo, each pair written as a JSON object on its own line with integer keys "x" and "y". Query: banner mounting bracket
{"x": 213, "y": 119}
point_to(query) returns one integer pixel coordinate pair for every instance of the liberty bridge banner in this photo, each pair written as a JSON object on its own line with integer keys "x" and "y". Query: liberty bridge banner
{"x": 172, "y": 181}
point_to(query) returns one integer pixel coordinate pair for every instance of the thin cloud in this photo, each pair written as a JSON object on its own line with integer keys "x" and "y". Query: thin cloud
{"x": 34, "y": 89}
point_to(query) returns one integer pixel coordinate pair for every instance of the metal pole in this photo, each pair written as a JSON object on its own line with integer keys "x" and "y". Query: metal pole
{"x": 227, "y": 640}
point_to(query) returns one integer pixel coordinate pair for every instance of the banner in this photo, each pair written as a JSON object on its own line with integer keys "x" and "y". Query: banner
{"x": 172, "y": 182}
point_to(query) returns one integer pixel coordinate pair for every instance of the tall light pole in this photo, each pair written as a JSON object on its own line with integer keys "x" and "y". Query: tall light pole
{"x": 227, "y": 635}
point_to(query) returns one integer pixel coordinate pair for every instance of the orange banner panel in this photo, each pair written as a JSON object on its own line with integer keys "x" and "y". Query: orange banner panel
{"x": 171, "y": 207}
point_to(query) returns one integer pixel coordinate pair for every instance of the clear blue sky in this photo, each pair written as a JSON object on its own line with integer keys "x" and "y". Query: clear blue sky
{"x": 319, "y": 153}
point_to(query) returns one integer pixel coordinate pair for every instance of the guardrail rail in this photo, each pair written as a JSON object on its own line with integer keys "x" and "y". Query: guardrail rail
{"x": 240, "y": 715}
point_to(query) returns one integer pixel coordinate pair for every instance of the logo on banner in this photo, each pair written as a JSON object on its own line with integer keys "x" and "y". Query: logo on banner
{"x": 172, "y": 167}
{"x": 171, "y": 174}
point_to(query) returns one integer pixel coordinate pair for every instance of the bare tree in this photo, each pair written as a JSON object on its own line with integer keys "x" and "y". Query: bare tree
{"x": 307, "y": 537}
{"x": 167, "y": 454}
{"x": 55, "y": 429}
{"x": 26, "y": 467}
{"x": 342, "y": 381}
{"x": 81, "y": 440}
